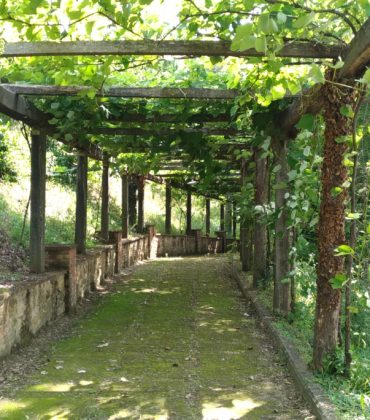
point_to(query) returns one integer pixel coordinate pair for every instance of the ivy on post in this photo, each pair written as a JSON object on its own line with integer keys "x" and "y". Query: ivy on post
{"x": 188, "y": 212}
{"x": 260, "y": 229}
{"x": 104, "y": 226}
{"x": 208, "y": 216}
{"x": 38, "y": 188}
{"x": 81, "y": 204}
{"x": 168, "y": 222}
{"x": 125, "y": 205}
{"x": 282, "y": 294}
{"x": 140, "y": 199}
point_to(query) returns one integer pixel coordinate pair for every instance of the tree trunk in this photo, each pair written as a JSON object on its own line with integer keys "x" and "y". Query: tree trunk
{"x": 140, "y": 207}
{"x": 282, "y": 243}
{"x": 260, "y": 229}
{"x": 208, "y": 216}
{"x": 331, "y": 228}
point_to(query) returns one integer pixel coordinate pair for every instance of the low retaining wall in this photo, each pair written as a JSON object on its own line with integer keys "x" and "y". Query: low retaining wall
{"x": 38, "y": 300}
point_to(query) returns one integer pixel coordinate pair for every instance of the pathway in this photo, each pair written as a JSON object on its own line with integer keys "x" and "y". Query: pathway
{"x": 174, "y": 341}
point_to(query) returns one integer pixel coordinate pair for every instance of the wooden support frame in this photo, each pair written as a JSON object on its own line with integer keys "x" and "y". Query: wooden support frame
{"x": 125, "y": 205}
{"x": 81, "y": 204}
{"x": 104, "y": 220}
{"x": 140, "y": 202}
{"x": 297, "y": 49}
{"x": 38, "y": 196}
{"x": 168, "y": 218}
{"x": 188, "y": 212}
{"x": 208, "y": 216}
{"x": 222, "y": 217}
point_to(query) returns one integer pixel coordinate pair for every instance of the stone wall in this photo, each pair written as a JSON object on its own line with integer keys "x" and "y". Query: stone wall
{"x": 38, "y": 300}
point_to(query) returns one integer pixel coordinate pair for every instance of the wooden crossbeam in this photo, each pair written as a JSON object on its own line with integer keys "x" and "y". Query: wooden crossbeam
{"x": 167, "y": 132}
{"x": 170, "y": 118}
{"x": 120, "y": 92}
{"x": 293, "y": 49}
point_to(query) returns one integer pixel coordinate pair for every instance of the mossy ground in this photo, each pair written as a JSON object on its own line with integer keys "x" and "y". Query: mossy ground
{"x": 173, "y": 341}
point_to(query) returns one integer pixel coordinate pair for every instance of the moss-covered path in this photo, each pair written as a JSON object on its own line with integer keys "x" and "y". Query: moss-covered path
{"x": 173, "y": 341}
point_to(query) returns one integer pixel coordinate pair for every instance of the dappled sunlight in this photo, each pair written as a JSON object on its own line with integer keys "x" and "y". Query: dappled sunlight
{"x": 9, "y": 406}
{"x": 62, "y": 387}
{"x": 238, "y": 409}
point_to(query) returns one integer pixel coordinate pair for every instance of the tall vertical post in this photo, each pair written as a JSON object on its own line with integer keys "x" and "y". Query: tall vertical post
{"x": 81, "y": 204}
{"x": 188, "y": 212}
{"x": 124, "y": 205}
{"x": 234, "y": 220}
{"x": 38, "y": 188}
{"x": 104, "y": 225}
{"x": 132, "y": 200}
{"x": 222, "y": 216}
{"x": 228, "y": 218}
{"x": 168, "y": 222}
{"x": 260, "y": 228}
{"x": 208, "y": 216}
{"x": 140, "y": 207}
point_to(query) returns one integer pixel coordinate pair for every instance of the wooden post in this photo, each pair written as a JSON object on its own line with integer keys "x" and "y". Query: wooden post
{"x": 124, "y": 205}
{"x": 140, "y": 199}
{"x": 228, "y": 218}
{"x": 208, "y": 216}
{"x": 168, "y": 221}
{"x": 38, "y": 187}
{"x": 282, "y": 243}
{"x": 104, "y": 226}
{"x": 188, "y": 212}
{"x": 234, "y": 220}
{"x": 132, "y": 201}
{"x": 260, "y": 229}
{"x": 81, "y": 204}
{"x": 222, "y": 217}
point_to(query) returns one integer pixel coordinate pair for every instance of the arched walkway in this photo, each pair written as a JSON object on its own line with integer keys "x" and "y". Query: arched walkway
{"x": 175, "y": 340}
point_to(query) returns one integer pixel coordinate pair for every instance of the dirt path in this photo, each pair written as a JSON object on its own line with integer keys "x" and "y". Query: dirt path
{"x": 175, "y": 341}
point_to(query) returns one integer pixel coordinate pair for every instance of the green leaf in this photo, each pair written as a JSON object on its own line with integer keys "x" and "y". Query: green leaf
{"x": 316, "y": 74}
{"x": 353, "y": 309}
{"x": 244, "y": 38}
{"x": 68, "y": 137}
{"x": 261, "y": 44}
{"x": 89, "y": 27}
{"x": 338, "y": 281}
{"x": 336, "y": 191}
{"x": 366, "y": 77}
{"x": 281, "y": 17}
{"x": 347, "y": 111}
{"x": 303, "y": 20}
{"x": 306, "y": 122}
{"x": 343, "y": 250}
{"x": 353, "y": 216}
{"x": 278, "y": 91}
{"x": 368, "y": 229}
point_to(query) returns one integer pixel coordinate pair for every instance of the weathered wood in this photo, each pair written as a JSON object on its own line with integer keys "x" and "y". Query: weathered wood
{"x": 20, "y": 109}
{"x": 170, "y": 118}
{"x": 234, "y": 220}
{"x": 228, "y": 218}
{"x": 188, "y": 212}
{"x": 125, "y": 206}
{"x": 140, "y": 207}
{"x": 298, "y": 49}
{"x": 222, "y": 217}
{"x": 104, "y": 225}
{"x": 132, "y": 200}
{"x": 208, "y": 216}
{"x": 123, "y": 92}
{"x": 168, "y": 221}
{"x": 81, "y": 204}
{"x": 282, "y": 244}
{"x": 167, "y": 132}
{"x": 260, "y": 228}
{"x": 38, "y": 188}
{"x": 357, "y": 57}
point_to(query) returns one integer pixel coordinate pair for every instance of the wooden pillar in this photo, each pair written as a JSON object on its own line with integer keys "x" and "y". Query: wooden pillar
{"x": 234, "y": 220}
{"x": 168, "y": 221}
{"x": 260, "y": 227}
{"x": 132, "y": 200}
{"x": 124, "y": 205}
{"x": 188, "y": 212}
{"x": 104, "y": 225}
{"x": 140, "y": 208}
{"x": 38, "y": 188}
{"x": 81, "y": 204}
{"x": 246, "y": 231}
{"x": 222, "y": 217}
{"x": 208, "y": 216}
{"x": 282, "y": 244}
{"x": 228, "y": 218}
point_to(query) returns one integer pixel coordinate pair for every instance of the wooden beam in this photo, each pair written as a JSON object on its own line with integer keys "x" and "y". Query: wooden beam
{"x": 297, "y": 49}
{"x": 168, "y": 221}
{"x": 357, "y": 57}
{"x": 104, "y": 219}
{"x": 81, "y": 204}
{"x": 188, "y": 212}
{"x": 166, "y": 132}
{"x": 170, "y": 118}
{"x": 123, "y": 92}
{"x": 124, "y": 206}
{"x": 20, "y": 109}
